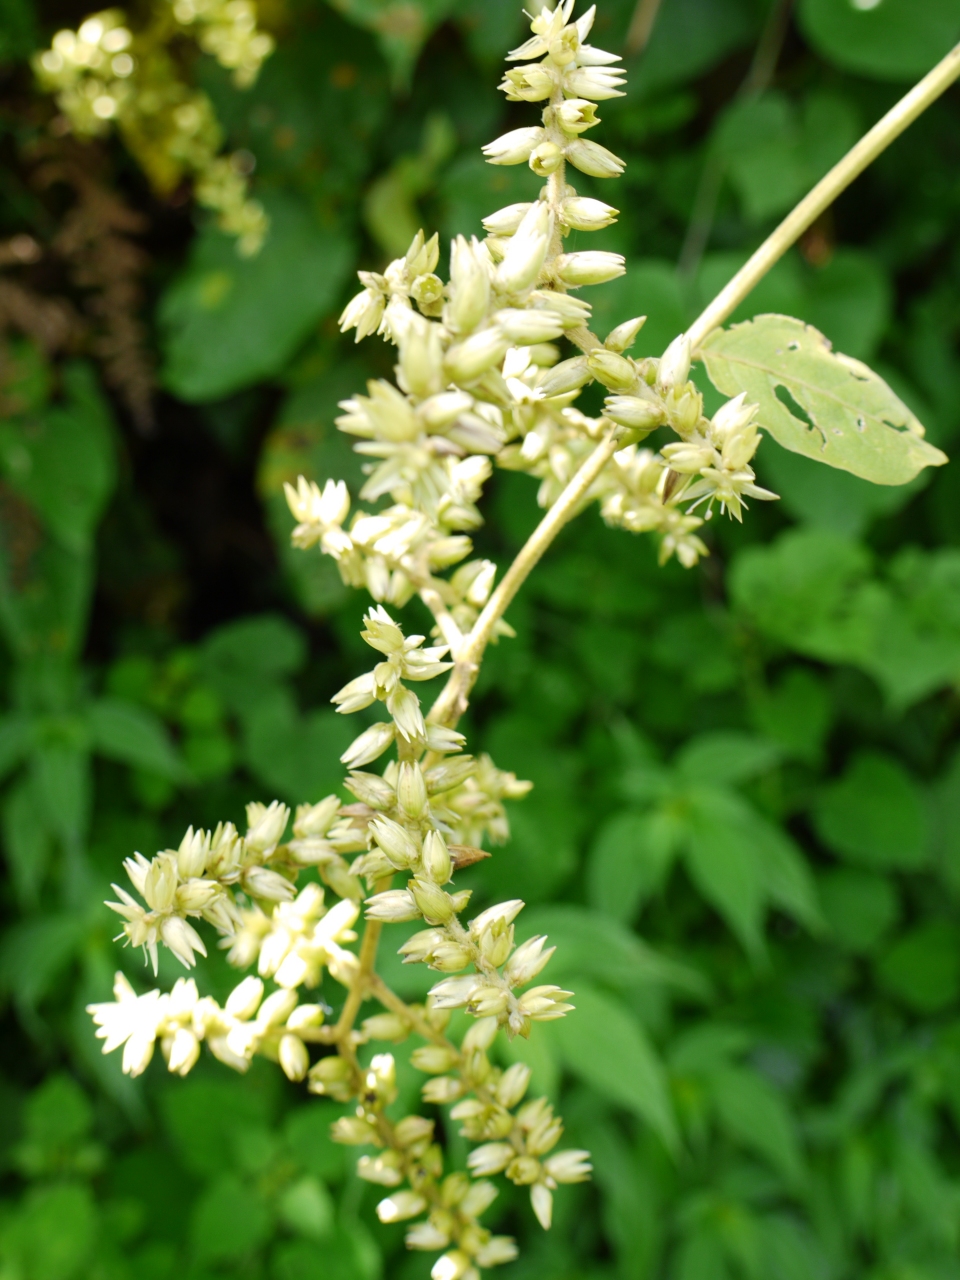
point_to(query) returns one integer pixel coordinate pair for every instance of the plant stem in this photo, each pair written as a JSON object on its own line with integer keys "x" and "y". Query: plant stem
{"x": 824, "y": 193}
{"x": 452, "y": 702}
{"x": 641, "y": 27}
{"x": 360, "y": 987}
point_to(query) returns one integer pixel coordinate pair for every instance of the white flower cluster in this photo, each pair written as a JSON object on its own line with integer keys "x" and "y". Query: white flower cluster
{"x": 479, "y": 380}
{"x": 278, "y": 1027}
{"x": 104, "y": 75}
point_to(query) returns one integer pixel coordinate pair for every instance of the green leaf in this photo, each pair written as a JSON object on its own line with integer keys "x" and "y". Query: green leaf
{"x": 229, "y": 1221}
{"x": 228, "y": 321}
{"x": 689, "y": 37}
{"x": 27, "y": 840}
{"x": 724, "y": 865}
{"x": 132, "y": 735}
{"x": 16, "y": 734}
{"x": 54, "y": 1234}
{"x": 923, "y": 967}
{"x": 245, "y": 660}
{"x": 63, "y": 460}
{"x": 726, "y": 756}
{"x": 402, "y": 27}
{"x": 892, "y": 40}
{"x": 607, "y": 1048}
{"x": 755, "y": 1115}
{"x": 875, "y": 815}
{"x": 61, "y": 776}
{"x": 600, "y": 948}
{"x": 306, "y": 1208}
{"x": 629, "y": 860}
{"x": 797, "y": 713}
{"x": 860, "y": 907}
{"x": 841, "y": 413}
{"x": 297, "y": 757}
{"x": 33, "y": 955}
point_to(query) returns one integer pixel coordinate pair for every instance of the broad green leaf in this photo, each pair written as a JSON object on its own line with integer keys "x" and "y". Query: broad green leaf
{"x": 606, "y": 1047}
{"x": 842, "y": 413}
{"x": 307, "y": 1134}
{"x": 923, "y": 967}
{"x": 34, "y": 954}
{"x": 27, "y": 841}
{"x": 786, "y": 875}
{"x": 759, "y": 141}
{"x": 203, "y": 1118}
{"x": 401, "y": 26}
{"x": 875, "y": 815}
{"x": 796, "y": 713}
{"x": 229, "y": 1221}
{"x": 296, "y": 757}
{"x": 44, "y": 587}
{"x": 791, "y": 1250}
{"x": 707, "y": 1046}
{"x": 724, "y": 864}
{"x": 16, "y": 734}
{"x": 306, "y": 1208}
{"x": 886, "y": 39}
{"x": 132, "y": 735}
{"x": 63, "y": 786}
{"x": 228, "y": 321}
{"x": 726, "y": 756}
{"x": 62, "y": 460}
{"x": 245, "y": 661}
{"x": 755, "y": 1114}
{"x": 629, "y": 860}
{"x": 860, "y": 907}
{"x": 600, "y": 948}
{"x": 689, "y": 37}
{"x": 54, "y": 1234}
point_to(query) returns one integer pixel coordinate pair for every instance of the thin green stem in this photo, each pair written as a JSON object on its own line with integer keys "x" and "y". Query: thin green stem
{"x": 824, "y": 193}
{"x": 452, "y": 702}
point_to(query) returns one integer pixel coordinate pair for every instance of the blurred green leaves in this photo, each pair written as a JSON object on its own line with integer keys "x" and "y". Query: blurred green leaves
{"x": 229, "y": 322}
{"x": 891, "y": 40}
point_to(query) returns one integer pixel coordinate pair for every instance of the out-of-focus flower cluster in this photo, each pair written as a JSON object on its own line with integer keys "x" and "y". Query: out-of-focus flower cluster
{"x": 104, "y": 75}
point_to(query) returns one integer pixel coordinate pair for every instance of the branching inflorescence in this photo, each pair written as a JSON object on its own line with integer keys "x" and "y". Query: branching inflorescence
{"x": 479, "y": 381}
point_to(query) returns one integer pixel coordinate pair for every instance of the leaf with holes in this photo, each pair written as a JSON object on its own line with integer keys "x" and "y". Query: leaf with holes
{"x": 817, "y": 402}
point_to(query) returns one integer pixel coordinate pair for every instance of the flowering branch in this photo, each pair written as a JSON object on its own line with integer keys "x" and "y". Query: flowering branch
{"x": 479, "y": 382}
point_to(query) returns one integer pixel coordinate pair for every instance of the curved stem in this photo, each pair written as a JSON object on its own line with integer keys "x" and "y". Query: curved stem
{"x": 452, "y": 702}
{"x": 824, "y": 193}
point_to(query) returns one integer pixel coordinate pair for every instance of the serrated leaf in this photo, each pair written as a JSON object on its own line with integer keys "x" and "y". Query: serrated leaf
{"x": 854, "y": 421}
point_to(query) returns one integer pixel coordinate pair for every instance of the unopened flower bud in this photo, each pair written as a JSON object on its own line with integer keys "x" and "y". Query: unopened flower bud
{"x": 527, "y": 961}
{"x": 475, "y": 355}
{"x": 568, "y": 375}
{"x": 590, "y": 157}
{"x": 526, "y": 327}
{"x": 674, "y": 367}
{"x": 469, "y": 286}
{"x": 449, "y": 957}
{"x": 434, "y": 1059}
{"x": 505, "y": 911}
{"x": 616, "y": 372}
{"x": 635, "y": 412}
{"x": 585, "y": 214}
{"x": 412, "y": 1130}
{"x": 276, "y": 1009}
{"x": 513, "y": 1085}
{"x": 624, "y": 335}
{"x": 593, "y": 266}
{"x": 576, "y": 115}
{"x": 436, "y": 858}
{"x": 514, "y": 147}
{"x": 545, "y": 159}
{"x": 401, "y": 1205}
{"x": 244, "y": 1000}
{"x": 384, "y": 1169}
{"x": 386, "y": 1026}
{"x": 435, "y": 905}
{"x": 261, "y": 882}
{"x": 396, "y": 843}
{"x": 411, "y": 789}
{"x": 505, "y": 221}
{"x": 394, "y": 906}
{"x": 293, "y": 1056}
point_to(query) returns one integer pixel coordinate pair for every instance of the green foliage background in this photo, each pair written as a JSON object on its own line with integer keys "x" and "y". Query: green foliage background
{"x": 745, "y": 830}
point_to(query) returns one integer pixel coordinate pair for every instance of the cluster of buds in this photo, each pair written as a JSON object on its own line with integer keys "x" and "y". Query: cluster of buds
{"x": 278, "y": 1027}
{"x": 227, "y": 29}
{"x": 200, "y": 880}
{"x": 103, "y": 75}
